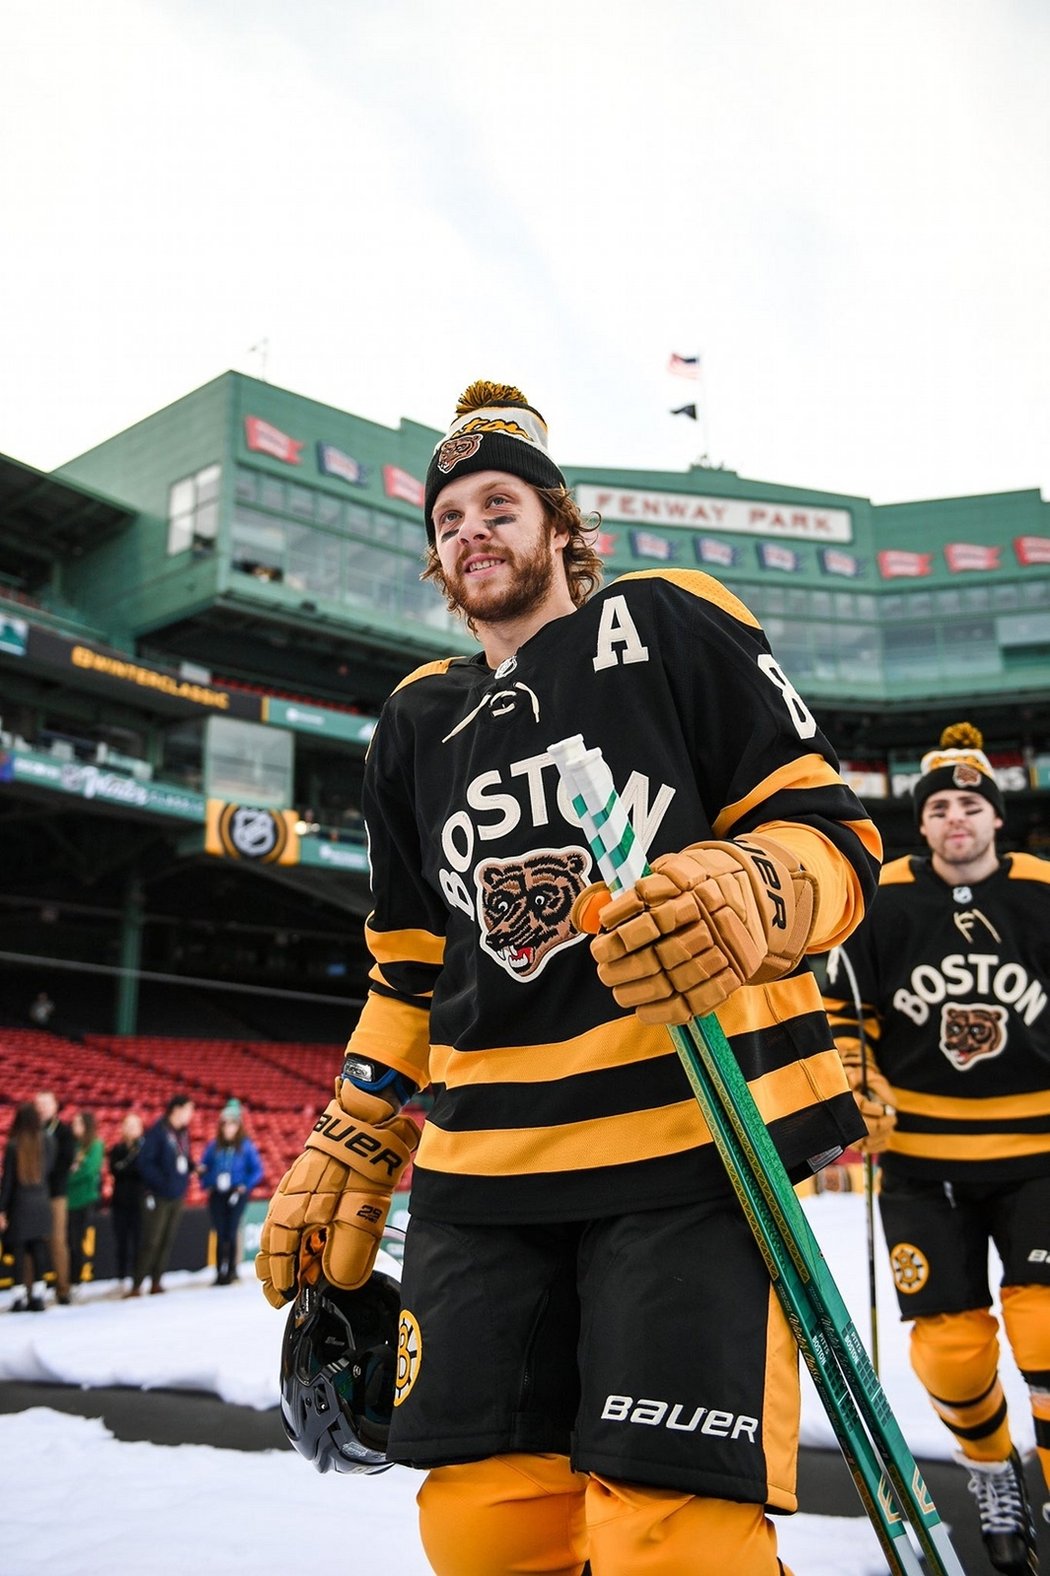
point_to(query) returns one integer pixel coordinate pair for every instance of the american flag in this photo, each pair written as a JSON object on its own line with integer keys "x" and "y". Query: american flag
{"x": 684, "y": 366}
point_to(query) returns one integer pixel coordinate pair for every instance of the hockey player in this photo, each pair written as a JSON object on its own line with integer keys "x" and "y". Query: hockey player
{"x": 592, "y": 1362}
{"x": 948, "y": 1049}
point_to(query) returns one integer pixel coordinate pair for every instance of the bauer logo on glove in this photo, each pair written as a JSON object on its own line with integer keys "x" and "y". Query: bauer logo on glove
{"x": 706, "y": 921}
{"x": 336, "y": 1195}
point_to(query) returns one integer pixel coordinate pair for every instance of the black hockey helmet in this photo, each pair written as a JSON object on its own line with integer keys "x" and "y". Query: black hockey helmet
{"x": 338, "y": 1363}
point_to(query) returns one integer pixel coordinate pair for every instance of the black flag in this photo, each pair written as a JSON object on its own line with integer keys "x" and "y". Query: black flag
{"x": 685, "y": 410}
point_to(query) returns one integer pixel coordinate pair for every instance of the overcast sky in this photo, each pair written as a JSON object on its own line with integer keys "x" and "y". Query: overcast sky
{"x": 843, "y": 206}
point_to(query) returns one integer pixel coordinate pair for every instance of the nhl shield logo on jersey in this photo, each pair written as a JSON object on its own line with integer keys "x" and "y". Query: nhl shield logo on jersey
{"x": 911, "y": 1268}
{"x": 970, "y": 1033}
{"x": 525, "y": 904}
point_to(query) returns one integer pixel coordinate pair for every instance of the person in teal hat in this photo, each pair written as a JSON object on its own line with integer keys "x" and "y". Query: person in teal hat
{"x": 230, "y": 1168}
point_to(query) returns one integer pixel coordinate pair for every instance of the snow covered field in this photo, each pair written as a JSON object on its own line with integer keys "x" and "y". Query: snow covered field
{"x": 78, "y": 1501}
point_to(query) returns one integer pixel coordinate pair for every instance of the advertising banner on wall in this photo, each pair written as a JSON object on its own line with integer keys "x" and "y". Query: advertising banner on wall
{"x": 116, "y": 673}
{"x": 85, "y": 780}
{"x": 806, "y": 522}
{"x": 302, "y": 718}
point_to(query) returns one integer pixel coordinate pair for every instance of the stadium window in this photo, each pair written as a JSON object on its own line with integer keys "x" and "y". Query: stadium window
{"x": 859, "y": 656}
{"x": 1035, "y": 593}
{"x": 193, "y": 510}
{"x": 975, "y": 599}
{"x": 1005, "y": 598}
{"x": 313, "y": 560}
{"x": 386, "y": 528}
{"x": 970, "y": 647}
{"x": 825, "y": 664}
{"x": 329, "y": 509}
{"x": 910, "y": 652}
{"x": 271, "y": 493}
{"x": 257, "y": 545}
{"x": 300, "y": 502}
{"x": 246, "y": 486}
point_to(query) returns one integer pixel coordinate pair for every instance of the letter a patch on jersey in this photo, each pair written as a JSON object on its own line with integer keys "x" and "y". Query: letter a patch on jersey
{"x": 618, "y": 639}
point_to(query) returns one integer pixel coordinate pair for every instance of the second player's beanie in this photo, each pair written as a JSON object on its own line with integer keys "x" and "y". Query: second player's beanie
{"x": 960, "y": 762}
{"x": 495, "y": 429}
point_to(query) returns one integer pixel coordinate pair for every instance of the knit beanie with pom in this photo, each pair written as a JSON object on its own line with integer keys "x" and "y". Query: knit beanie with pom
{"x": 960, "y": 762}
{"x": 495, "y": 429}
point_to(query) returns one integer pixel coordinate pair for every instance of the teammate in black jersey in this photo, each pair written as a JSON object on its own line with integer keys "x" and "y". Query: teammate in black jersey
{"x": 948, "y": 1049}
{"x": 592, "y": 1363}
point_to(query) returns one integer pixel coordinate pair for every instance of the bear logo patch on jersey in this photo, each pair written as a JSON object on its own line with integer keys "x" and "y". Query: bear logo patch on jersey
{"x": 970, "y": 1032}
{"x": 911, "y": 1267}
{"x": 524, "y": 906}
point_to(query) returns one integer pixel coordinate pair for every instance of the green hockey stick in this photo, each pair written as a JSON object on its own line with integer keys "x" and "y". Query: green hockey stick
{"x": 869, "y": 1436}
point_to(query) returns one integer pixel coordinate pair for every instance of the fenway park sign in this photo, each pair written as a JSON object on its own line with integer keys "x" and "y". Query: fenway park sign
{"x": 807, "y": 522}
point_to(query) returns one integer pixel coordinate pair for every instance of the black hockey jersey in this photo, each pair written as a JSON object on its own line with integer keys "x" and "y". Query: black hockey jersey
{"x": 551, "y": 1102}
{"x": 953, "y": 988}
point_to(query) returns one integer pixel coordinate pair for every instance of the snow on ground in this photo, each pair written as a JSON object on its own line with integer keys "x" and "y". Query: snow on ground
{"x": 76, "y": 1500}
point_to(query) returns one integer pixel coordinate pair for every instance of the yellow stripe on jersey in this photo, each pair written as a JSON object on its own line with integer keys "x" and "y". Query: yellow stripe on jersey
{"x": 607, "y": 1045}
{"x": 764, "y": 1006}
{"x": 626, "y": 1138}
{"x": 896, "y": 872}
{"x": 806, "y": 771}
{"x": 404, "y": 946}
{"x": 1028, "y": 867}
{"x": 780, "y": 1407}
{"x": 969, "y": 1147}
{"x": 792, "y": 1088}
{"x": 621, "y": 1041}
{"x": 1004, "y": 1107}
{"x": 442, "y": 665}
{"x": 706, "y": 587}
{"x": 576, "y": 1146}
{"x": 396, "y": 1034}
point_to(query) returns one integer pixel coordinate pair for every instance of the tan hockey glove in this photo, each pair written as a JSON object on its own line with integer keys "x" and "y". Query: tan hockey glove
{"x": 708, "y": 920}
{"x": 873, "y": 1096}
{"x": 342, "y": 1182}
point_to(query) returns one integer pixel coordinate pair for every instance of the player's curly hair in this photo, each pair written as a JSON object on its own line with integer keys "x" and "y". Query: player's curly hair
{"x": 583, "y": 567}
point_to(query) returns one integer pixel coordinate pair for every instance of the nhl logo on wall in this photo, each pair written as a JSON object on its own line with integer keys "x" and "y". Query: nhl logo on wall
{"x": 250, "y": 833}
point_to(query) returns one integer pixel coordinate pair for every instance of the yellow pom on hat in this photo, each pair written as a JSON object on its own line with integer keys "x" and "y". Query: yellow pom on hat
{"x": 482, "y": 393}
{"x": 962, "y": 736}
{"x": 495, "y": 429}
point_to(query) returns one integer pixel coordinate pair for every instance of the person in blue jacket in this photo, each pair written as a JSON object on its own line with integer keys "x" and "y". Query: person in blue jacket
{"x": 166, "y": 1165}
{"x": 230, "y": 1167}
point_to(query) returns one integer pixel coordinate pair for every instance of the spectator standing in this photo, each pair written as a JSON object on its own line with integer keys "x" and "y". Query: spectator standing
{"x": 230, "y": 1167}
{"x": 83, "y": 1191}
{"x": 165, "y": 1164}
{"x": 25, "y": 1205}
{"x": 63, "y": 1145}
{"x": 125, "y": 1204}
{"x": 41, "y": 1010}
